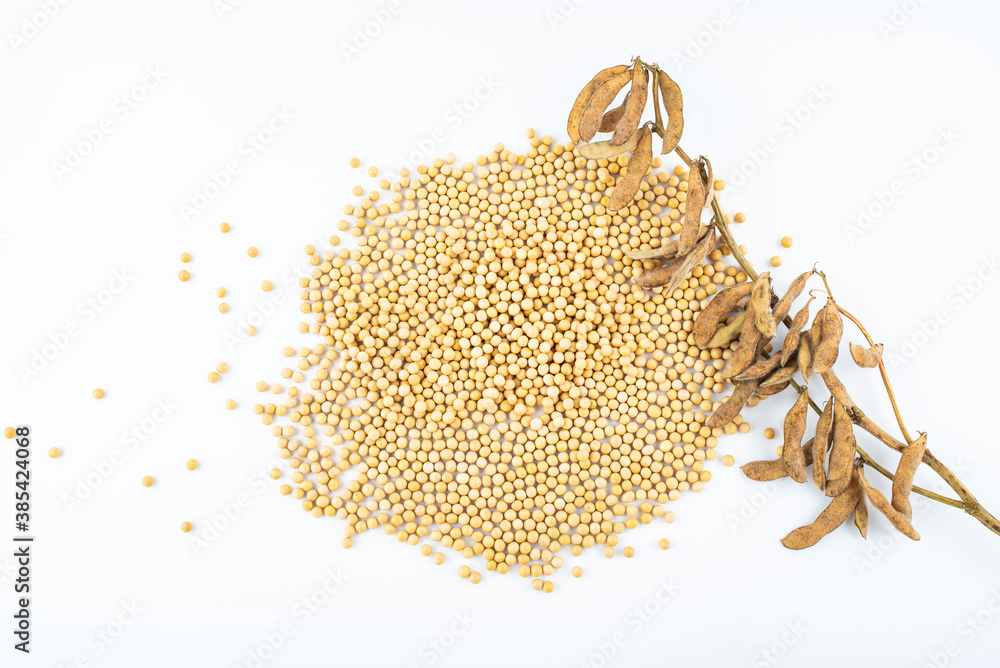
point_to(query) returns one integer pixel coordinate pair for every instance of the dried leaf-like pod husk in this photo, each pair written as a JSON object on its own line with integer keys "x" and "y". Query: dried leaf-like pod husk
{"x": 781, "y": 375}
{"x": 784, "y": 304}
{"x": 761, "y": 300}
{"x": 794, "y": 429}
{"x": 732, "y": 406}
{"x": 902, "y": 481}
{"x": 837, "y": 389}
{"x": 770, "y": 390}
{"x": 725, "y": 335}
{"x": 804, "y": 358}
{"x": 638, "y": 163}
{"x": 833, "y": 516}
{"x": 707, "y": 322}
{"x": 590, "y": 120}
{"x": 866, "y": 358}
{"x": 861, "y": 509}
{"x": 583, "y": 99}
{"x": 603, "y": 149}
{"x": 635, "y": 103}
{"x": 791, "y": 345}
{"x": 611, "y": 117}
{"x": 692, "y": 210}
{"x": 833, "y": 328}
{"x": 765, "y": 470}
{"x": 673, "y": 104}
{"x": 693, "y": 259}
{"x": 896, "y": 518}
{"x": 760, "y": 368}
{"x": 824, "y": 428}
{"x": 841, "y": 452}
{"x": 666, "y": 251}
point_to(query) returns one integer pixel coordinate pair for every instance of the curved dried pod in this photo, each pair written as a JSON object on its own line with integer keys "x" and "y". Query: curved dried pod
{"x": 725, "y": 335}
{"x": 816, "y": 331}
{"x": 761, "y": 300}
{"x": 673, "y": 104}
{"x": 824, "y": 427}
{"x": 666, "y": 251}
{"x": 765, "y": 470}
{"x": 896, "y": 518}
{"x": 604, "y": 150}
{"x": 707, "y": 322}
{"x": 826, "y": 353}
{"x": 635, "y": 104}
{"x": 732, "y": 406}
{"x": 693, "y": 205}
{"x": 770, "y": 390}
{"x": 902, "y": 481}
{"x": 841, "y": 452}
{"x": 590, "y": 119}
{"x": 837, "y": 389}
{"x": 794, "y": 429}
{"x": 611, "y": 117}
{"x": 693, "y": 259}
{"x": 861, "y": 509}
{"x": 804, "y": 356}
{"x": 833, "y": 516}
{"x": 635, "y": 172}
{"x": 795, "y": 288}
{"x": 791, "y": 345}
{"x": 760, "y": 369}
{"x": 584, "y": 97}
{"x": 781, "y": 375}
{"x": 866, "y": 358}
{"x": 746, "y": 351}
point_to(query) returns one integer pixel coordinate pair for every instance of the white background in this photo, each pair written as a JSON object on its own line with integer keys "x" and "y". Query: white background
{"x": 888, "y": 95}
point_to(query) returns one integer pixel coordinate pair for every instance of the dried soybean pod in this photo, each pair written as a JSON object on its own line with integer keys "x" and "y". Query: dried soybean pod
{"x": 794, "y": 429}
{"x": 781, "y": 375}
{"x": 896, "y": 518}
{"x": 638, "y": 163}
{"x": 821, "y": 443}
{"x": 805, "y": 356}
{"x": 760, "y": 369}
{"x": 761, "y": 300}
{"x": 603, "y": 149}
{"x": 728, "y": 411}
{"x": 693, "y": 259}
{"x": 605, "y": 94}
{"x": 707, "y": 322}
{"x": 866, "y": 358}
{"x": 584, "y": 97}
{"x": 692, "y": 210}
{"x": 902, "y": 481}
{"x": 770, "y": 390}
{"x": 838, "y": 390}
{"x": 610, "y": 119}
{"x": 666, "y": 251}
{"x": 673, "y": 104}
{"x": 861, "y": 509}
{"x": 833, "y": 328}
{"x": 832, "y": 517}
{"x": 766, "y": 470}
{"x": 725, "y": 335}
{"x": 746, "y": 351}
{"x": 657, "y": 278}
{"x": 841, "y": 452}
{"x": 635, "y": 104}
{"x": 784, "y": 304}
{"x": 791, "y": 345}
{"x": 816, "y": 331}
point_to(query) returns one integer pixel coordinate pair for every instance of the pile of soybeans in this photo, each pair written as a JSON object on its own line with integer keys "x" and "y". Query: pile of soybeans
{"x": 487, "y": 376}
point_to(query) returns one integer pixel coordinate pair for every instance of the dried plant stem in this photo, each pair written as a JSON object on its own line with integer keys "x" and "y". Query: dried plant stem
{"x": 968, "y": 502}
